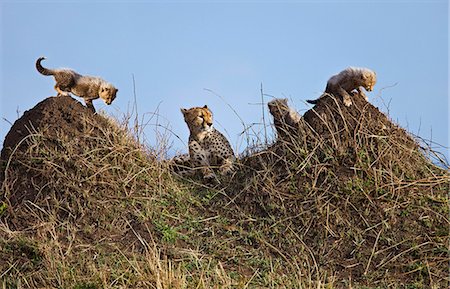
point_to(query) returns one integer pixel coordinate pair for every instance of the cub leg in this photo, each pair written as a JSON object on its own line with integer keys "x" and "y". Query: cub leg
{"x": 345, "y": 96}
{"x": 61, "y": 92}
{"x": 361, "y": 92}
{"x": 90, "y": 105}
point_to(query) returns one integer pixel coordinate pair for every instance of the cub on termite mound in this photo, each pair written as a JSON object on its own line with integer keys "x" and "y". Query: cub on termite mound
{"x": 348, "y": 80}
{"x": 86, "y": 87}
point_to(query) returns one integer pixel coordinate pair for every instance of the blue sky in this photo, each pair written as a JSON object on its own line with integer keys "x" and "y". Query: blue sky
{"x": 186, "y": 53}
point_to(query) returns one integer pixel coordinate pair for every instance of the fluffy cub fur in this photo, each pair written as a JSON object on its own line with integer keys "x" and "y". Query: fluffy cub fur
{"x": 285, "y": 118}
{"x": 348, "y": 80}
{"x": 87, "y": 87}
{"x": 207, "y": 146}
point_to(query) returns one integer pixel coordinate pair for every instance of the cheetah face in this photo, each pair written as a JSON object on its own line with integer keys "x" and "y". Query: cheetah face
{"x": 198, "y": 119}
{"x": 281, "y": 112}
{"x": 278, "y": 107}
{"x": 369, "y": 80}
{"x": 108, "y": 93}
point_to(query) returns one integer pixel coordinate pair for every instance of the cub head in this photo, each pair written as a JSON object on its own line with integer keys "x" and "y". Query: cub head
{"x": 198, "y": 119}
{"x": 281, "y": 111}
{"x": 369, "y": 79}
{"x": 107, "y": 93}
{"x": 278, "y": 107}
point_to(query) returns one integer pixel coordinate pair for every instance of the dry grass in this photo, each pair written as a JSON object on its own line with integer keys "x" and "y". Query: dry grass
{"x": 355, "y": 191}
{"x": 348, "y": 201}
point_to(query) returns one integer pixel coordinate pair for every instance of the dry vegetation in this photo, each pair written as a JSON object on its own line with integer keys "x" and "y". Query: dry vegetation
{"x": 345, "y": 200}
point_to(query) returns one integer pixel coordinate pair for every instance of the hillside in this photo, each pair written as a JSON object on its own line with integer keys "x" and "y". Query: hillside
{"x": 346, "y": 199}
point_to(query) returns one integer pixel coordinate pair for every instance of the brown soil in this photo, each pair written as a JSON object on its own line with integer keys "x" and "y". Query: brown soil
{"x": 53, "y": 119}
{"x": 345, "y": 118}
{"x": 62, "y": 112}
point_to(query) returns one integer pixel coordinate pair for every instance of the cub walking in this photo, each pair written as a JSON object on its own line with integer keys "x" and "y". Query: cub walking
{"x": 348, "y": 80}
{"x": 87, "y": 87}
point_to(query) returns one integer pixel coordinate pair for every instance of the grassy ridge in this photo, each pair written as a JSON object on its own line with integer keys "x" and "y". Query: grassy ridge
{"x": 345, "y": 200}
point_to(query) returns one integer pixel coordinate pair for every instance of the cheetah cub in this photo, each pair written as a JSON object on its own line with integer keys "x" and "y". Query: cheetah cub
{"x": 285, "y": 118}
{"x": 207, "y": 146}
{"x": 348, "y": 80}
{"x": 87, "y": 87}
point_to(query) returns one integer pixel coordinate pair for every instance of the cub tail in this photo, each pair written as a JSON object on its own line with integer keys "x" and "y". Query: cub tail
{"x": 313, "y": 101}
{"x": 41, "y": 69}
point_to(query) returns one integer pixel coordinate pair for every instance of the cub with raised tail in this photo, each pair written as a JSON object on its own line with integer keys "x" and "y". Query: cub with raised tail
{"x": 348, "y": 80}
{"x": 86, "y": 87}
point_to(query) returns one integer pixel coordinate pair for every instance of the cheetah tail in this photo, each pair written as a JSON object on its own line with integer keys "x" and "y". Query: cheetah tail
{"x": 41, "y": 69}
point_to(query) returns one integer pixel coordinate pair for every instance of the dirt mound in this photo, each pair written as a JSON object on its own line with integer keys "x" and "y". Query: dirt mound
{"x": 62, "y": 113}
{"x": 331, "y": 115}
{"x": 361, "y": 133}
{"x": 47, "y": 125}
{"x": 353, "y": 190}
{"x": 348, "y": 140}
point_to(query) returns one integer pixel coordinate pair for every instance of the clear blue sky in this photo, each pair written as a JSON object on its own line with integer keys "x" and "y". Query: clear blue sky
{"x": 177, "y": 50}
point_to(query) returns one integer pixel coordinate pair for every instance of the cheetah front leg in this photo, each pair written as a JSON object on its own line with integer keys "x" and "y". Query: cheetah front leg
{"x": 182, "y": 165}
{"x": 227, "y": 166}
{"x": 199, "y": 159}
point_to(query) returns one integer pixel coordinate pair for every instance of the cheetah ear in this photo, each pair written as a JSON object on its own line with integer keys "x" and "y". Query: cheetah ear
{"x": 205, "y": 106}
{"x": 183, "y": 110}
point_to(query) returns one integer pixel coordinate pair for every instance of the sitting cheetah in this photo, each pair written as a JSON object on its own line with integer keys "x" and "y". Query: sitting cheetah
{"x": 284, "y": 117}
{"x": 351, "y": 78}
{"x": 207, "y": 146}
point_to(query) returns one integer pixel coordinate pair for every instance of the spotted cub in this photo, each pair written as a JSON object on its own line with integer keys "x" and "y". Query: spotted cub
{"x": 207, "y": 147}
{"x": 285, "y": 118}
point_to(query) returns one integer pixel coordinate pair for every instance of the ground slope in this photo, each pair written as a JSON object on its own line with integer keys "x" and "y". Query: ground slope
{"x": 345, "y": 199}
{"x": 356, "y": 192}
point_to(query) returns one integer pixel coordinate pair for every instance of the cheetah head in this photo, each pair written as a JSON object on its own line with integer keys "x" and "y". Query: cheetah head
{"x": 199, "y": 120}
{"x": 108, "y": 93}
{"x": 369, "y": 79}
{"x": 278, "y": 107}
{"x": 281, "y": 111}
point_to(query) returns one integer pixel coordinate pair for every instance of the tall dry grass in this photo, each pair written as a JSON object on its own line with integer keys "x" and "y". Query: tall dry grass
{"x": 346, "y": 199}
